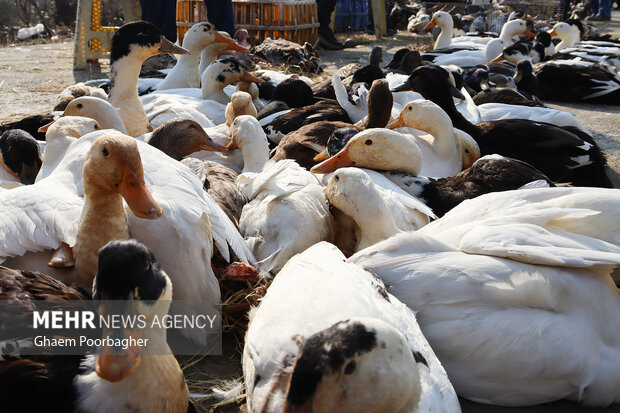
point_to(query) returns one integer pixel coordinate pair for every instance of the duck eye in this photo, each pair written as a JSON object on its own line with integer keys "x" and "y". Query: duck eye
{"x": 410, "y": 108}
{"x": 349, "y": 368}
{"x": 368, "y": 142}
{"x": 466, "y": 150}
{"x": 205, "y": 30}
{"x": 79, "y": 106}
{"x": 105, "y": 152}
{"x": 336, "y": 178}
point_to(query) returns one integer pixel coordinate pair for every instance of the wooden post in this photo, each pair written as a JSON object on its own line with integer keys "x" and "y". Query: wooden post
{"x": 378, "y": 17}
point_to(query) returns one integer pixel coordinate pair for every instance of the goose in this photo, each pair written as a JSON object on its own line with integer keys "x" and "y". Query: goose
{"x": 185, "y": 74}
{"x": 379, "y": 213}
{"x": 195, "y": 227}
{"x": 98, "y": 109}
{"x": 303, "y": 144}
{"x": 179, "y": 139}
{"x": 207, "y": 105}
{"x": 319, "y": 302}
{"x": 131, "y": 45}
{"x": 462, "y": 300}
{"x": 561, "y": 154}
{"x": 103, "y": 382}
{"x": 288, "y": 211}
{"x": 20, "y": 159}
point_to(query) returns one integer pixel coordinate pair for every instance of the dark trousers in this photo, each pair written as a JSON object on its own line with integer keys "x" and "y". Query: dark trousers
{"x": 325, "y": 9}
{"x": 163, "y": 14}
{"x": 220, "y": 13}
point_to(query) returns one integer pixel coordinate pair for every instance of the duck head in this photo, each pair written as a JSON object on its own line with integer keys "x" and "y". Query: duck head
{"x": 129, "y": 274}
{"x": 566, "y": 33}
{"x": 69, "y": 126}
{"x": 98, "y": 109}
{"x": 245, "y": 131}
{"x": 346, "y": 358}
{"x": 113, "y": 164}
{"x": 380, "y": 149}
{"x": 240, "y": 104}
{"x": 203, "y": 34}
{"x": 513, "y": 28}
{"x": 142, "y": 40}
{"x": 420, "y": 114}
{"x": 442, "y": 19}
{"x": 19, "y": 155}
{"x": 376, "y": 56}
{"x": 337, "y": 140}
{"x": 221, "y": 73}
{"x": 179, "y": 138}
{"x": 432, "y": 82}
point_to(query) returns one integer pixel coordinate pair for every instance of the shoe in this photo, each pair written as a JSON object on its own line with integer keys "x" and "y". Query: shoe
{"x": 328, "y": 41}
{"x": 598, "y": 18}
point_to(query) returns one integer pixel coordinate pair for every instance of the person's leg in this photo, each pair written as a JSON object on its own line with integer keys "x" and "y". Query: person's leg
{"x": 605, "y": 9}
{"x": 220, "y": 14}
{"x": 326, "y": 35}
{"x": 162, "y": 13}
{"x": 594, "y": 4}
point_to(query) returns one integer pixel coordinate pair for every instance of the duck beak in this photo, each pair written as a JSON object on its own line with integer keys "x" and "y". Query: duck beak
{"x": 323, "y": 155}
{"x": 456, "y": 93}
{"x": 28, "y": 174}
{"x": 430, "y": 25}
{"x": 340, "y": 160}
{"x": 212, "y": 147}
{"x": 114, "y": 363}
{"x": 232, "y": 44}
{"x": 168, "y": 47}
{"x": 44, "y": 128}
{"x": 553, "y": 33}
{"x": 396, "y": 123}
{"x": 528, "y": 33}
{"x": 140, "y": 201}
{"x": 499, "y": 58}
{"x": 231, "y": 145}
{"x": 248, "y": 77}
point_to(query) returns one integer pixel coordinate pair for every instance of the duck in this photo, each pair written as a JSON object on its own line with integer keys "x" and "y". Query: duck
{"x": 598, "y": 51}
{"x": 20, "y": 159}
{"x": 303, "y": 144}
{"x": 102, "y": 382}
{"x": 131, "y": 45}
{"x": 207, "y": 105}
{"x": 98, "y": 109}
{"x": 565, "y": 154}
{"x": 379, "y": 213}
{"x": 535, "y": 306}
{"x": 197, "y": 225}
{"x": 468, "y": 57}
{"x": 30, "y": 124}
{"x": 319, "y": 302}
{"x": 491, "y": 173}
{"x": 75, "y": 91}
{"x": 241, "y": 103}
{"x": 287, "y": 210}
{"x": 505, "y": 95}
{"x": 179, "y": 139}
{"x": 185, "y": 74}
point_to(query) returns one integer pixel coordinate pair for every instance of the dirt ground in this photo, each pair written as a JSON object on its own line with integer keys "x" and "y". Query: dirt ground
{"x": 31, "y": 76}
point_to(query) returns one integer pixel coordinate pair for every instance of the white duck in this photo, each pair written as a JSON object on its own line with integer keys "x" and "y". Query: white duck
{"x": 505, "y": 330}
{"x": 98, "y": 109}
{"x": 319, "y": 306}
{"x": 378, "y": 212}
{"x": 288, "y": 211}
{"x": 186, "y": 74}
{"x": 191, "y": 220}
{"x": 132, "y": 44}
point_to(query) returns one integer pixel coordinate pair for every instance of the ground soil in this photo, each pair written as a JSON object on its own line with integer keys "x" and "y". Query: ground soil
{"x": 31, "y": 76}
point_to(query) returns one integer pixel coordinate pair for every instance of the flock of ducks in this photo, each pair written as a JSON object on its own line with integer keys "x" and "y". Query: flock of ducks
{"x": 421, "y": 246}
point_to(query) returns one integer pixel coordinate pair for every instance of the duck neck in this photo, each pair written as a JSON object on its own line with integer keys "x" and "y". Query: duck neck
{"x": 207, "y": 56}
{"x": 567, "y": 41}
{"x": 123, "y": 94}
{"x": 255, "y": 156}
{"x": 212, "y": 89}
{"x": 445, "y": 101}
{"x": 185, "y": 71}
{"x": 445, "y": 37}
{"x": 444, "y": 142}
{"x": 102, "y": 220}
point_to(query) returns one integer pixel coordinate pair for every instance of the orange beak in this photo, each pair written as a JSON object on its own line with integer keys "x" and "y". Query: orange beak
{"x": 430, "y": 24}
{"x": 212, "y": 147}
{"x": 140, "y": 201}
{"x": 231, "y": 145}
{"x": 340, "y": 160}
{"x": 248, "y": 77}
{"x": 321, "y": 156}
{"x": 232, "y": 45}
{"x": 116, "y": 363}
{"x": 396, "y": 123}
{"x": 499, "y": 58}
{"x": 553, "y": 33}
{"x": 528, "y": 33}
{"x": 44, "y": 128}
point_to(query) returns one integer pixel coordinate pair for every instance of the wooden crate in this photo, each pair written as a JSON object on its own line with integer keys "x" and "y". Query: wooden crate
{"x": 189, "y": 12}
